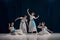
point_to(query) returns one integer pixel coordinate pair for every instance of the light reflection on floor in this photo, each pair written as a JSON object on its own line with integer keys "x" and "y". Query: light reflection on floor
{"x": 55, "y": 36}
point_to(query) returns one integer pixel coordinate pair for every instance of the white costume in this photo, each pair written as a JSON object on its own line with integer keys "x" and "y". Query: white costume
{"x": 23, "y": 26}
{"x": 32, "y": 25}
{"x": 44, "y": 31}
{"x": 12, "y": 29}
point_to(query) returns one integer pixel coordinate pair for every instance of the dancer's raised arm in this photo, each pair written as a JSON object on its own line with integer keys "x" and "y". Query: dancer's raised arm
{"x": 28, "y": 12}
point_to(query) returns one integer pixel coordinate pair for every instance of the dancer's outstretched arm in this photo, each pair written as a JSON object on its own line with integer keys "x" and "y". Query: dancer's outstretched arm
{"x": 18, "y": 18}
{"x": 36, "y": 17}
{"x": 39, "y": 27}
{"x": 28, "y": 12}
{"x": 49, "y": 30}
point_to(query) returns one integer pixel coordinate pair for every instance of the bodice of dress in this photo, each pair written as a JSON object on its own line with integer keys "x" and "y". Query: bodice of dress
{"x": 32, "y": 17}
{"x": 22, "y": 23}
{"x": 11, "y": 28}
{"x": 44, "y": 29}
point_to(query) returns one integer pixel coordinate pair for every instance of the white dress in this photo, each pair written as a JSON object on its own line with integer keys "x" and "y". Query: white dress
{"x": 23, "y": 26}
{"x": 32, "y": 25}
{"x": 12, "y": 29}
{"x": 44, "y": 31}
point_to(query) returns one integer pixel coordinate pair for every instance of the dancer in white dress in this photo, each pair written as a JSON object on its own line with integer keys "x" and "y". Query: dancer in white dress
{"x": 45, "y": 30}
{"x": 11, "y": 28}
{"x": 23, "y": 23}
{"x": 32, "y": 25}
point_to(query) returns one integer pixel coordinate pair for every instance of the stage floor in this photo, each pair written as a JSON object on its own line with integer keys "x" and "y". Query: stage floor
{"x": 55, "y": 36}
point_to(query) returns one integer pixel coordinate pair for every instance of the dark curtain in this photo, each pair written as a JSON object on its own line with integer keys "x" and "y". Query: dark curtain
{"x": 48, "y": 10}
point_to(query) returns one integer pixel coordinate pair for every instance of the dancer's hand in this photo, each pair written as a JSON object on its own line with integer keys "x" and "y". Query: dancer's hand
{"x": 38, "y": 16}
{"x": 51, "y": 31}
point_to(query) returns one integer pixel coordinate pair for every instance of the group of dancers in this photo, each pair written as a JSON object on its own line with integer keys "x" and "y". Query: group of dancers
{"x": 32, "y": 25}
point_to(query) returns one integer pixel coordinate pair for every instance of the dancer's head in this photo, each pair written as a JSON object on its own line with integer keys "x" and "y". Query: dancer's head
{"x": 43, "y": 23}
{"x": 12, "y": 24}
{"x": 25, "y": 16}
{"x": 32, "y": 13}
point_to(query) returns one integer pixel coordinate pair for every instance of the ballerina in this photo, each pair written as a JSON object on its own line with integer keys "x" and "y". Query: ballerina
{"x": 11, "y": 28}
{"x": 23, "y": 23}
{"x": 45, "y": 30}
{"x": 32, "y": 25}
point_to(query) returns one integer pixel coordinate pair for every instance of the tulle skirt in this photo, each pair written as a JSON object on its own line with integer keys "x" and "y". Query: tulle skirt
{"x": 32, "y": 26}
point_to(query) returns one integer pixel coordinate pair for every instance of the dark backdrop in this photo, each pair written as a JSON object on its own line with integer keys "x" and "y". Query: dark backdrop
{"x": 48, "y": 10}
